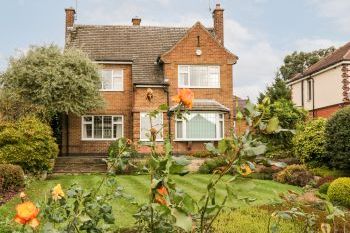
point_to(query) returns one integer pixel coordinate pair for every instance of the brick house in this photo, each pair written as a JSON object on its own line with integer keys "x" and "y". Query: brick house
{"x": 324, "y": 87}
{"x": 135, "y": 58}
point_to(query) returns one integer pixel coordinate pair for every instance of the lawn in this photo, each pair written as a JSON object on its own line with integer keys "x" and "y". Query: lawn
{"x": 265, "y": 191}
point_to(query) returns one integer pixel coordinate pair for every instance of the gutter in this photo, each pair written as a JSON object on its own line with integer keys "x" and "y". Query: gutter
{"x": 291, "y": 82}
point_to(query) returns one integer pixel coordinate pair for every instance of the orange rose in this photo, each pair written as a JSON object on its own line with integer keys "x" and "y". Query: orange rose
{"x": 27, "y": 213}
{"x": 184, "y": 96}
{"x": 162, "y": 192}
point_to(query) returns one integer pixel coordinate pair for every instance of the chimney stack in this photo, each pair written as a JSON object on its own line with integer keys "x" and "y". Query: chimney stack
{"x": 70, "y": 16}
{"x": 218, "y": 16}
{"x": 136, "y": 21}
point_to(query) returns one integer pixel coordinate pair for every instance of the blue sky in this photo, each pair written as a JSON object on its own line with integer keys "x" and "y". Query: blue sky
{"x": 260, "y": 32}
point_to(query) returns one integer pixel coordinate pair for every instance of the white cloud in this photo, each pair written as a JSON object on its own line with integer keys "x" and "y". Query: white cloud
{"x": 310, "y": 44}
{"x": 336, "y": 10}
{"x": 258, "y": 60}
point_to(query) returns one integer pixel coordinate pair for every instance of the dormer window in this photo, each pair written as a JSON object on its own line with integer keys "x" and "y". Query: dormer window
{"x": 198, "y": 76}
{"x": 112, "y": 80}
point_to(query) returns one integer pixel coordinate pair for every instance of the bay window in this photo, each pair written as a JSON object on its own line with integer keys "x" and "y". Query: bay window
{"x": 200, "y": 126}
{"x": 145, "y": 126}
{"x": 111, "y": 80}
{"x": 198, "y": 76}
{"x": 102, "y": 127}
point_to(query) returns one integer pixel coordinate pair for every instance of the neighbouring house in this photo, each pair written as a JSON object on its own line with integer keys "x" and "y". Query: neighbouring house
{"x": 324, "y": 87}
{"x": 135, "y": 58}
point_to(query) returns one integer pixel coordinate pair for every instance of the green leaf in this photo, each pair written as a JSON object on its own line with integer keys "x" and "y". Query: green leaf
{"x": 222, "y": 146}
{"x": 183, "y": 220}
{"x": 163, "y": 107}
{"x": 272, "y": 125}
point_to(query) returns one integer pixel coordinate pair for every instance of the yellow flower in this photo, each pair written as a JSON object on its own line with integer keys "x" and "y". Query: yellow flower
{"x": 57, "y": 192}
{"x": 26, "y": 214}
{"x": 246, "y": 170}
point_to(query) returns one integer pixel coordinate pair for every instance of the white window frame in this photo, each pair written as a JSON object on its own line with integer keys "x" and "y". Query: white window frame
{"x": 162, "y": 130}
{"x": 218, "y": 133}
{"x": 113, "y": 77}
{"x": 93, "y": 129}
{"x": 181, "y": 85}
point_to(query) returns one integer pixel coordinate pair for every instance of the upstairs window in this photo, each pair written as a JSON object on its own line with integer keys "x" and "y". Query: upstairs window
{"x": 111, "y": 80}
{"x": 198, "y": 76}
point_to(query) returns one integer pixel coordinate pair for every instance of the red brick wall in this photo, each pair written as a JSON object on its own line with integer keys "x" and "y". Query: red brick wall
{"x": 327, "y": 112}
{"x": 116, "y": 103}
{"x": 212, "y": 54}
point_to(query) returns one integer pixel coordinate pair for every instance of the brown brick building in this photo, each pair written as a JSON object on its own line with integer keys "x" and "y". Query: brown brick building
{"x": 135, "y": 58}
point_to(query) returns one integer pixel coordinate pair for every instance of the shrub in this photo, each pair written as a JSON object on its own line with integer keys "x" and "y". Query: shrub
{"x": 28, "y": 143}
{"x": 309, "y": 142}
{"x": 324, "y": 180}
{"x": 11, "y": 178}
{"x": 339, "y": 191}
{"x": 338, "y": 139}
{"x": 324, "y": 188}
{"x": 325, "y": 171}
{"x": 211, "y": 165}
{"x": 294, "y": 175}
{"x": 241, "y": 221}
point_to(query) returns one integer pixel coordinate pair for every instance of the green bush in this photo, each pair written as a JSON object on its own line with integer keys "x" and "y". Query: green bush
{"x": 325, "y": 171}
{"x": 211, "y": 165}
{"x": 28, "y": 143}
{"x": 294, "y": 175}
{"x": 324, "y": 188}
{"x": 309, "y": 142}
{"x": 338, "y": 139}
{"x": 339, "y": 191}
{"x": 250, "y": 220}
{"x": 11, "y": 178}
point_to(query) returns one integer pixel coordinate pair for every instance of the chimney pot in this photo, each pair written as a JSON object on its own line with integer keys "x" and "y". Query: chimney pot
{"x": 218, "y": 17}
{"x": 136, "y": 21}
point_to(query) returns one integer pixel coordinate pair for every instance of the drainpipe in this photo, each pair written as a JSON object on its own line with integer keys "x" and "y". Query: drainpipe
{"x": 313, "y": 97}
{"x": 166, "y": 90}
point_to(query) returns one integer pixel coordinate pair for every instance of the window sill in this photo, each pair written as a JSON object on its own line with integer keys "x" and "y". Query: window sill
{"x": 98, "y": 139}
{"x": 111, "y": 90}
{"x": 197, "y": 140}
{"x": 195, "y": 87}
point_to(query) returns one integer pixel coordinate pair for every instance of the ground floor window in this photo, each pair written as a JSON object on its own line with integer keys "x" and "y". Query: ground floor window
{"x": 200, "y": 126}
{"x": 145, "y": 126}
{"x": 102, "y": 127}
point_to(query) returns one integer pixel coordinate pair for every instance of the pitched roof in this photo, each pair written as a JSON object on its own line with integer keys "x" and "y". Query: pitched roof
{"x": 142, "y": 45}
{"x": 341, "y": 54}
{"x": 206, "y": 105}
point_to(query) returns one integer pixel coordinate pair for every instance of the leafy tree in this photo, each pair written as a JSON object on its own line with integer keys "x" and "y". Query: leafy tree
{"x": 52, "y": 80}
{"x": 278, "y": 90}
{"x": 289, "y": 116}
{"x": 297, "y": 62}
